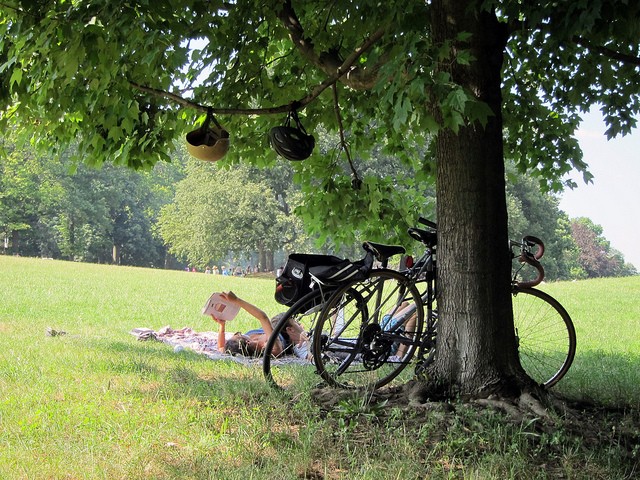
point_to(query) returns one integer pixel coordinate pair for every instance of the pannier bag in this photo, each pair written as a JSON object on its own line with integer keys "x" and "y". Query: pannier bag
{"x": 295, "y": 280}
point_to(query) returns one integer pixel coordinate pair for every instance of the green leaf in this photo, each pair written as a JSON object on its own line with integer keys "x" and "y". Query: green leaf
{"x": 16, "y": 77}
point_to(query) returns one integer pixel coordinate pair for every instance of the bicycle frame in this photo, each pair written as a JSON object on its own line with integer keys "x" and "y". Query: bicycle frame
{"x": 361, "y": 349}
{"x": 422, "y": 271}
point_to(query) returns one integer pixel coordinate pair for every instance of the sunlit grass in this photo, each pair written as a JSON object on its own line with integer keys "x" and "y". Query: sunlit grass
{"x": 606, "y": 315}
{"x": 98, "y": 404}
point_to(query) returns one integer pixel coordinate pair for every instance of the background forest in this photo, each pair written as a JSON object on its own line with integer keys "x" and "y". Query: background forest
{"x": 193, "y": 214}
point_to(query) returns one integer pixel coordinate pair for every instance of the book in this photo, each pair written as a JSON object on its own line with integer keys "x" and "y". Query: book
{"x": 220, "y": 308}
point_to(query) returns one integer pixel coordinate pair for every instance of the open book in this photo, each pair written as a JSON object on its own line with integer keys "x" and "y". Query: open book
{"x": 220, "y": 308}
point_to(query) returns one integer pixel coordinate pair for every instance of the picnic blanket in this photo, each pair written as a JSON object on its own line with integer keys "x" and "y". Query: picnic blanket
{"x": 205, "y": 343}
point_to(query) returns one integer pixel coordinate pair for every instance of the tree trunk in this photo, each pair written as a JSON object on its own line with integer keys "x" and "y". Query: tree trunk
{"x": 270, "y": 261}
{"x": 477, "y": 353}
{"x": 15, "y": 242}
{"x": 262, "y": 259}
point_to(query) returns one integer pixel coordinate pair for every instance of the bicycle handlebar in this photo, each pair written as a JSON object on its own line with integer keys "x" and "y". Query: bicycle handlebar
{"x": 428, "y": 223}
{"x": 532, "y": 241}
{"x": 530, "y": 258}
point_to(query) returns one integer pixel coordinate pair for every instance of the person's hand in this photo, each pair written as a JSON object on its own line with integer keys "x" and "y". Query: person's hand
{"x": 229, "y": 297}
{"x": 218, "y": 321}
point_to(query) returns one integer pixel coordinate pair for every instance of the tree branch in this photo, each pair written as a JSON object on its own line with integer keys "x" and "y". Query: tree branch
{"x": 607, "y": 52}
{"x": 220, "y": 111}
{"x": 345, "y": 68}
{"x": 329, "y": 62}
{"x": 336, "y": 105}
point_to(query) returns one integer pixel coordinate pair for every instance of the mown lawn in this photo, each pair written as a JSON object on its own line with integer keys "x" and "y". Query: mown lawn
{"x": 98, "y": 404}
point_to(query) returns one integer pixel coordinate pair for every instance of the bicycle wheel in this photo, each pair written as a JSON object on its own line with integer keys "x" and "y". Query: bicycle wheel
{"x": 294, "y": 367}
{"x": 545, "y": 335}
{"x": 368, "y": 331}
{"x": 427, "y": 352}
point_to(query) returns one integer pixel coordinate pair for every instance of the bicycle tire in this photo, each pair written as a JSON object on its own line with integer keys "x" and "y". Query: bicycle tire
{"x": 545, "y": 334}
{"x": 352, "y": 348}
{"x": 286, "y": 371}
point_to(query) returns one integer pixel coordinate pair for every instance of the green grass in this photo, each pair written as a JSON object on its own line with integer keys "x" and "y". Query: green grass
{"x": 606, "y": 315}
{"x": 98, "y": 404}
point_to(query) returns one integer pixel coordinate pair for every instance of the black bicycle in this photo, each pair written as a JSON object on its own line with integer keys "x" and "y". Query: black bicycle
{"x": 544, "y": 331}
{"x": 307, "y": 283}
{"x": 370, "y": 329}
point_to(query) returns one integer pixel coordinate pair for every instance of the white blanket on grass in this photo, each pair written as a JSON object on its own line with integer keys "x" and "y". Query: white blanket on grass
{"x": 205, "y": 343}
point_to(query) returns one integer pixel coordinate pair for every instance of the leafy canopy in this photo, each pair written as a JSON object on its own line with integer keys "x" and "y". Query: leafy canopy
{"x": 125, "y": 79}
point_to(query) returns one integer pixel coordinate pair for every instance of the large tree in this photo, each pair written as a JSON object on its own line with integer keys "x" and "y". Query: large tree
{"x": 214, "y": 215}
{"x": 469, "y": 77}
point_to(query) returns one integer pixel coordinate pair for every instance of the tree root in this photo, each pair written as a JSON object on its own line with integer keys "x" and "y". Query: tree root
{"x": 535, "y": 412}
{"x": 501, "y": 404}
{"x": 518, "y": 409}
{"x": 528, "y": 404}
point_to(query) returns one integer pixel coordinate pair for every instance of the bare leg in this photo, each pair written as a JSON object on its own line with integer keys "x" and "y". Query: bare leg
{"x": 408, "y": 327}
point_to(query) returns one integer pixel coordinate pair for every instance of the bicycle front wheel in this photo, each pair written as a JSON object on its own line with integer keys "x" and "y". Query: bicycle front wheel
{"x": 368, "y": 331}
{"x": 293, "y": 368}
{"x": 545, "y": 335}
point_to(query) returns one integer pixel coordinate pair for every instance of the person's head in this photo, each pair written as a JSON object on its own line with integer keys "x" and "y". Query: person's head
{"x": 292, "y": 330}
{"x": 241, "y": 344}
{"x": 276, "y": 319}
{"x": 274, "y": 323}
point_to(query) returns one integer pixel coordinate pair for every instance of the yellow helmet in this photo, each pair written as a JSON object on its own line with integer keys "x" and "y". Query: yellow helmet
{"x": 208, "y": 143}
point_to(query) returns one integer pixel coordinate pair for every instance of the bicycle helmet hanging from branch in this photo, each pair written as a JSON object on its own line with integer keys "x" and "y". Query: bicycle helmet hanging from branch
{"x": 208, "y": 143}
{"x": 292, "y": 143}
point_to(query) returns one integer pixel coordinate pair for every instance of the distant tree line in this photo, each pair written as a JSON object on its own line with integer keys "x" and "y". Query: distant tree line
{"x": 55, "y": 208}
{"x": 199, "y": 214}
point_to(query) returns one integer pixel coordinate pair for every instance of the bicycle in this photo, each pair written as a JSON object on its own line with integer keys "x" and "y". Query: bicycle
{"x": 544, "y": 331}
{"x": 305, "y": 286}
{"x": 369, "y": 330}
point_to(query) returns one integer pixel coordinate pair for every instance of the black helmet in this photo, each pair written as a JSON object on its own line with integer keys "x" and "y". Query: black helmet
{"x": 292, "y": 143}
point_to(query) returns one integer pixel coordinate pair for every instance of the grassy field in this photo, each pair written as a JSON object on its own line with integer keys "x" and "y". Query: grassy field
{"x": 97, "y": 404}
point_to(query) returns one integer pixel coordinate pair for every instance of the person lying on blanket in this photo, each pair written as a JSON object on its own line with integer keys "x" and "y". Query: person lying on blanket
{"x": 253, "y": 342}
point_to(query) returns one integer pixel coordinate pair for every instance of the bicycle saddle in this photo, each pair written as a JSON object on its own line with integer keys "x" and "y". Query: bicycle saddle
{"x": 383, "y": 252}
{"x": 423, "y": 236}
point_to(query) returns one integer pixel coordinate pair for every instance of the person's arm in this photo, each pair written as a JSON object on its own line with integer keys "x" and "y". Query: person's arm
{"x": 222, "y": 340}
{"x": 262, "y": 317}
{"x": 251, "y": 310}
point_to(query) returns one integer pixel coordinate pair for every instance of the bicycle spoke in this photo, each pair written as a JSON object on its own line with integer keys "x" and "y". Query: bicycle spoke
{"x": 362, "y": 344}
{"x": 545, "y": 334}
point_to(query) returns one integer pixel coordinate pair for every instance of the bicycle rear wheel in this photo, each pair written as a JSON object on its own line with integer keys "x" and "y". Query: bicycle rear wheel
{"x": 545, "y": 335}
{"x": 294, "y": 367}
{"x": 362, "y": 340}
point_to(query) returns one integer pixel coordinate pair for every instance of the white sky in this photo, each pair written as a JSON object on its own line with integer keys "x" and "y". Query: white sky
{"x": 613, "y": 199}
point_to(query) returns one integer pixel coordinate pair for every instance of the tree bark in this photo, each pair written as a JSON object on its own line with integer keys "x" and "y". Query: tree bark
{"x": 269, "y": 258}
{"x": 262, "y": 259}
{"x": 477, "y": 353}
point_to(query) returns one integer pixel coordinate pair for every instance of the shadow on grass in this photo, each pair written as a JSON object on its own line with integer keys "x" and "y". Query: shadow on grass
{"x": 185, "y": 373}
{"x": 596, "y": 377}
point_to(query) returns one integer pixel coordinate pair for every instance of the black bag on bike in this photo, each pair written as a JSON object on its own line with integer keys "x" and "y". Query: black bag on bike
{"x": 295, "y": 281}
